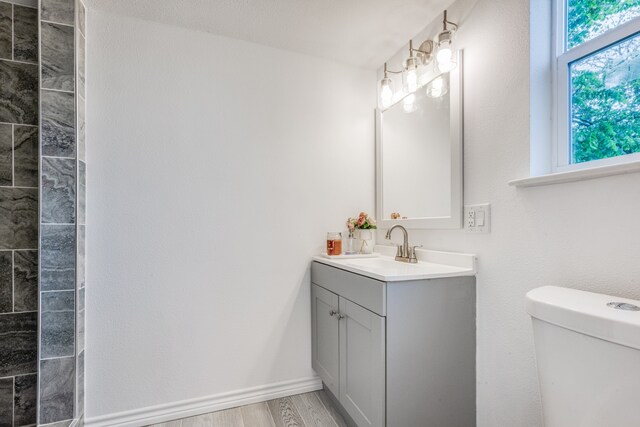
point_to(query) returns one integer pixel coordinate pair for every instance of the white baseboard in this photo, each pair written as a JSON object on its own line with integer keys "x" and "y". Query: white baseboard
{"x": 203, "y": 405}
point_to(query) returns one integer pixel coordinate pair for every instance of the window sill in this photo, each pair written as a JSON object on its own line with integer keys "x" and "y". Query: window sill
{"x": 577, "y": 175}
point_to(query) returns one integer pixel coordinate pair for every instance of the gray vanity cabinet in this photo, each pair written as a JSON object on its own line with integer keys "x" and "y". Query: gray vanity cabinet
{"x": 324, "y": 347}
{"x": 397, "y": 354}
{"x": 348, "y": 351}
{"x": 362, "y": 352}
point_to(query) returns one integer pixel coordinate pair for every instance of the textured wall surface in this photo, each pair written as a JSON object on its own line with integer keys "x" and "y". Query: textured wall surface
{"x": 82, "y": 205}
{"x": 62, "y": 212}
{"x": 18, "y": 214}
{"x": 217, "y": 167}
{"x": 581, "y": 235}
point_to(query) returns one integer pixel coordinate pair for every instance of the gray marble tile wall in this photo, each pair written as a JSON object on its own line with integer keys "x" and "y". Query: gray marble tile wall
{"x": 18, "y": 213}
{"x": 81, "y": 204}
{"x": 62, "y": 170}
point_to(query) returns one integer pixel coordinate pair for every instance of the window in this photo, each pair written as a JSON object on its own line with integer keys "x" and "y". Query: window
{"x": 597, "y": 72}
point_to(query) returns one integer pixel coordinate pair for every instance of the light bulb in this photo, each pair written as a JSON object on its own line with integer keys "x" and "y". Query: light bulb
{"x": 444, "y": 55}
{"x": 444, "y": 58}
{"x": 409, "y": 103}
{"x": 437, "y": 87}
{"x": 412, "y": 80}
{"x": 410, "y": 75}
{"x": 386, "y": 92}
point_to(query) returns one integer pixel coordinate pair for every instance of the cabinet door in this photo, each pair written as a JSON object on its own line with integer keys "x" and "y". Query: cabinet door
{"x": 324, "y": 336}
{"x": 362, "y": 364}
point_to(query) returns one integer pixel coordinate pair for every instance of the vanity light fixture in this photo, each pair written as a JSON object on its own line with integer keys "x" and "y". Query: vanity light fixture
{"x": 410, "y": 72}
{"x": 418, "y": 58}
{"x": 411, "y": 66}
{"x": 386, "y": 89}
{"x": 444, "y": 57}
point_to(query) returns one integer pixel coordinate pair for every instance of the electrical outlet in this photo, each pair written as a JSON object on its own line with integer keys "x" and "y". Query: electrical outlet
{"x": 477, "y": 218}
{"x": 470, "y": 218}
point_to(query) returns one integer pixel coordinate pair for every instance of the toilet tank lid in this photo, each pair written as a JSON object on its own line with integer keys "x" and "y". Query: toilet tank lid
{"x": 587, "y": 313}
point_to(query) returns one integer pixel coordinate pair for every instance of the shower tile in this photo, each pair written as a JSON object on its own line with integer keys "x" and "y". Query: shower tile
{"x": 6, "y": 155}
{"x": 58, "y": 191}
{"x": 19, "y": 344}
{"x": 5, "y": 30}
{"x": 58, "y": 11}
{"x": 26, "y": 387}
{"x": 26, "y": 3}
{"x": 18, "y": 218}
{"x": 6, "y": 281}
{"x": 57, "y": 57}
{"x": 81, "y": 129}
{"x": 18, "y": 93}
{"x": 25, "y": 156}
{"x": 57, "y": 257}
{"x": 58, "y": 301}
{"x": 80, "y": 267}
{"x": 80, "y": 330}
{"x": 81, "y": 299}
{"x": 81, "y": 58}
{"x": 6, "y": 402}
{"x": 80, "y": 384}
{"x": 57, "y": 333}
{"x": 65, "y": 423}
{"x": 82, "y": 190}
{"x": 56, "y": 389}
{"x": 25, "y": 273}
{"x": 58, "y": 132}
{"x": 25, "y": 34}
{"x": 82, "y": 18}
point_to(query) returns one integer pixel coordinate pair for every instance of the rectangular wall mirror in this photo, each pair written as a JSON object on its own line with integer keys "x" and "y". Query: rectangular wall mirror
{"x": 419, "y": 143}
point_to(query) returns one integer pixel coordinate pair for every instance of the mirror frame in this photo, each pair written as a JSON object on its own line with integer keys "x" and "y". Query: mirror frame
{"x": 456, "y": 117}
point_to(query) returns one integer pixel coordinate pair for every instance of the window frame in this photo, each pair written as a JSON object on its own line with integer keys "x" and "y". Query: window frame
{"x": 561, "y": 58}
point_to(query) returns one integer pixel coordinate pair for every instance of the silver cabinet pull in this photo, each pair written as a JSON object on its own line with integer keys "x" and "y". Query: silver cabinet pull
{"x": 332, "y": 313}
{"x": 340, "y": 316}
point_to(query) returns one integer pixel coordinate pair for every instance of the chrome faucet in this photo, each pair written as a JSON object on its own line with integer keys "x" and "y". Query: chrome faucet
{"x": 405, "y": 252}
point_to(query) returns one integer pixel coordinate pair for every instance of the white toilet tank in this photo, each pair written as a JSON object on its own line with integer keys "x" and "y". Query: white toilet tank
{"x": 588, "y": 356}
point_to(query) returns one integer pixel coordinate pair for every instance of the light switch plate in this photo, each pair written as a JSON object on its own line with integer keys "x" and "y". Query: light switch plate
{"x": 477, "y": 218}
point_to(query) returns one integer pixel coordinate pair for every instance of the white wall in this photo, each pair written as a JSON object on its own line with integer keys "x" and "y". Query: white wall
{"x": 581, "y": 235}
{"x": 216, "y": 168}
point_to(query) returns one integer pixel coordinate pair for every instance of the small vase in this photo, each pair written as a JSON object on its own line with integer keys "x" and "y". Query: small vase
{"x": 366, "y": 241}
{"x": 351, "y": 244}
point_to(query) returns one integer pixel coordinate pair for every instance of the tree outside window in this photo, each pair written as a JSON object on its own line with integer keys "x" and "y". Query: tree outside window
{"x": 604, "y": 86}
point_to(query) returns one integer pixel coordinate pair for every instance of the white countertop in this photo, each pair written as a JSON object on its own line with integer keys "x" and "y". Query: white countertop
{"x": 430, "y": 265}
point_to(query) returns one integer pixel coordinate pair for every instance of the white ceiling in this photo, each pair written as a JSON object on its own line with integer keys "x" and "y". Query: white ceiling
{"x": 363, "y": 33}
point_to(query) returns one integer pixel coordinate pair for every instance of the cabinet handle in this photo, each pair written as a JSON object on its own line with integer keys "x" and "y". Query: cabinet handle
{"x": 340, "y": 316}
{"x": 332, "y": 313}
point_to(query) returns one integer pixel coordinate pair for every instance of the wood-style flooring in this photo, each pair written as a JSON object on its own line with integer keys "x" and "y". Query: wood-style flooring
{"x": 303, "y": 410}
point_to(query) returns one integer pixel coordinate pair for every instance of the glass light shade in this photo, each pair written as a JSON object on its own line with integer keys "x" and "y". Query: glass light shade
{"x": 437, "y": 87}
{"x": 409, "y": 103}
{"x": 386, "y": 92}
{"x": 445, "y": 59}
{"x": 410, "y": 74}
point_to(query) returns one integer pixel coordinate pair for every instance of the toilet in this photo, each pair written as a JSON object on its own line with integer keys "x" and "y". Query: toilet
{"x": 587, "y": 349}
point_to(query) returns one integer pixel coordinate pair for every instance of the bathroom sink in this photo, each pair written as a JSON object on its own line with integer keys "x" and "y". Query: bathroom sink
{"x": 430, "y": 265}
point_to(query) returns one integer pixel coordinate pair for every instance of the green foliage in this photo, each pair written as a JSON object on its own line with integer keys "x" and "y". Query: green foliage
{"x": 605, "y": 122}
{"x": 589, "y": 17}
{"x": 605, "y": 119}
